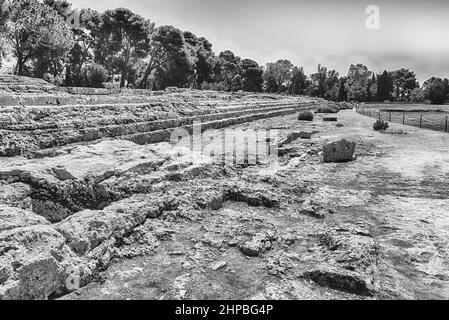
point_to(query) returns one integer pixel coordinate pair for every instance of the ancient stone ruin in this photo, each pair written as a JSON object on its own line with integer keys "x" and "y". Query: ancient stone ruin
{"x": 98, "y": 201}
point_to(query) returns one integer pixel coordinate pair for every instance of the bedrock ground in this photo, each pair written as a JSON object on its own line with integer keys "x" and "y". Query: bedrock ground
{"x": 158, "y": 221}
{"x": 383, "y": 235}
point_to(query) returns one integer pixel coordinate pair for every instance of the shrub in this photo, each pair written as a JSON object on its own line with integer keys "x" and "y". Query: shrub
{"x": 208, "y": 86}
{"x": 222, "y": 86}
{"x": 205, "y": 86}
{"x": 327, "y": 109}
{"x": 57, "y": 81}
{"x": 380, "y": 125}
{"x": 110, "y": 85}
{"x": 94, "y": 75}
{"x": 345, "y": 106}
{"x": 305, "y": 116}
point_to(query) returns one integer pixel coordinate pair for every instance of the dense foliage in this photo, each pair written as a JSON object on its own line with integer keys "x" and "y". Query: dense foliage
{"x": 120, "y": 45}
{"x": 436, "y": 89}
{"x": 37, "y": 36}
{"x": 305, "y": 116}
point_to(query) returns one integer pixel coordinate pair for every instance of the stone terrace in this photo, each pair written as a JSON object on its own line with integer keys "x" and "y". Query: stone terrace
{"x": 33, "y": 119}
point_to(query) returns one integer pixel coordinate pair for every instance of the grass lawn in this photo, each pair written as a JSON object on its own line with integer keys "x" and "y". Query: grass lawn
{"x": 427, "y": 116}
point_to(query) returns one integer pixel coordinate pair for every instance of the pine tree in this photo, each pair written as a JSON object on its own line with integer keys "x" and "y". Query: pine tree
{"x": 342, "y": 95}
{"x": 369, "y": 97}
{"x": 384, "y": 86}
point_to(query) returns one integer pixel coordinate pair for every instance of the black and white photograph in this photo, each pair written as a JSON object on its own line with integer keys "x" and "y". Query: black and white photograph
{"x": 207, "y": 150}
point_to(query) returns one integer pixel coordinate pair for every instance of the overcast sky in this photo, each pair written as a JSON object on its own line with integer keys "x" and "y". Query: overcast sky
{"x": 412, "y": 34}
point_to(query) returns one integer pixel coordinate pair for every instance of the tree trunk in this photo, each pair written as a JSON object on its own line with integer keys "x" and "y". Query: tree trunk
{"x": 68, "y": 76}
{"x": 20, "y": 64}
{"x": 142, "y": 82}
{"x": 123, "y": 78}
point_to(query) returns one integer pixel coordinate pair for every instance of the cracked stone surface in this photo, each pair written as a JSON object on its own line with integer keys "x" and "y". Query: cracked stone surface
{"x": 112, "y": 219}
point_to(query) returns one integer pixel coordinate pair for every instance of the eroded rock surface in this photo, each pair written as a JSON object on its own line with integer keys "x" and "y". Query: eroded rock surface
{"x": 115, "y": 219}
{"x": 339, "y": 151}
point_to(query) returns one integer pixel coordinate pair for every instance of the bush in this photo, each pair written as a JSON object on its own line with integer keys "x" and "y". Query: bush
{"x": 345, "y": 106}
{"x": 327, "y": 109}
{"x": 110, "y": 85}
{"x": 380, "y": 125}
{"x": 94, "y": 75}
{"x": 208, "y": 86}
{"x": 222, "y": 86}
{"x": 57, "y": 81}
{"x": 205, "y": 86}
{"x": 305, "y": 116}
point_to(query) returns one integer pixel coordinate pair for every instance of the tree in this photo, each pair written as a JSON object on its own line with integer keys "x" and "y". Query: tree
{"x": 36, "y": 31}
{"x": 342, "y": 95}
{"x": 404, "y": 81}
{"x": 203, "y": 60}
{"x": 206, "y": 61}
{"x": 87, "y": 38}
{"x": 331, "y": 85}
{"x": 281, "y": 71}
{"x": 124, "y": 38}
{"x": 372, "y": 90}
{"x": 178, "y": 72}
{"x": 236, "y": 83}
{"x": 298, "y": 84}
{"x": 166, "y": 44}
{"x": 318, "y": 82}
{"x": 270, "y": 84}
{"x": 436, "y": 90}
{"x": 48, "y": 63}
{"x": 252, "y": 76}
{"x": 62, "y": 7}
{"x": 418, "y": 95}
{"x": 192, "y": 45}
{"x": 2, "y": 53}
{"x": 384, "y": 86}
{"x": 358, "y": 82}
{"x": 4, "y": 12}
{"x": 3, "y": 44}
{"x": 228, "y": 66}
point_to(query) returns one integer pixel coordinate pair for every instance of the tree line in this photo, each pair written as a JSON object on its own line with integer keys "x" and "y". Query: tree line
{"x": 121, "y": 42}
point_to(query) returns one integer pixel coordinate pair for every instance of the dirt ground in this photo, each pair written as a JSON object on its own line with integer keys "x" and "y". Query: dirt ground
{"x": 374, "y": 228}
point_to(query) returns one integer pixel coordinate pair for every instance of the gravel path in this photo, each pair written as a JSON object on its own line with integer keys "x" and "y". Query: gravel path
{"x": 383, "y": 235}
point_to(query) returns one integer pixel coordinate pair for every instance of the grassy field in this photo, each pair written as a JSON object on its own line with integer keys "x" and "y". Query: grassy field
{"x": 434, "y": 117}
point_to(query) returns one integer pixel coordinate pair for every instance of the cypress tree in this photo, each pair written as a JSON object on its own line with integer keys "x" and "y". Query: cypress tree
{"x": 342, "y": 95}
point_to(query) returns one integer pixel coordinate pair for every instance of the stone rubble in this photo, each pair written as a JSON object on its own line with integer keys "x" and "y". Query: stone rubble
{"x": 339, "y": 151}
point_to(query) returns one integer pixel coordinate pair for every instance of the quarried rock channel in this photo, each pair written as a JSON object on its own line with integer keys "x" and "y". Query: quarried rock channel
{"x": 114, "y": 215}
